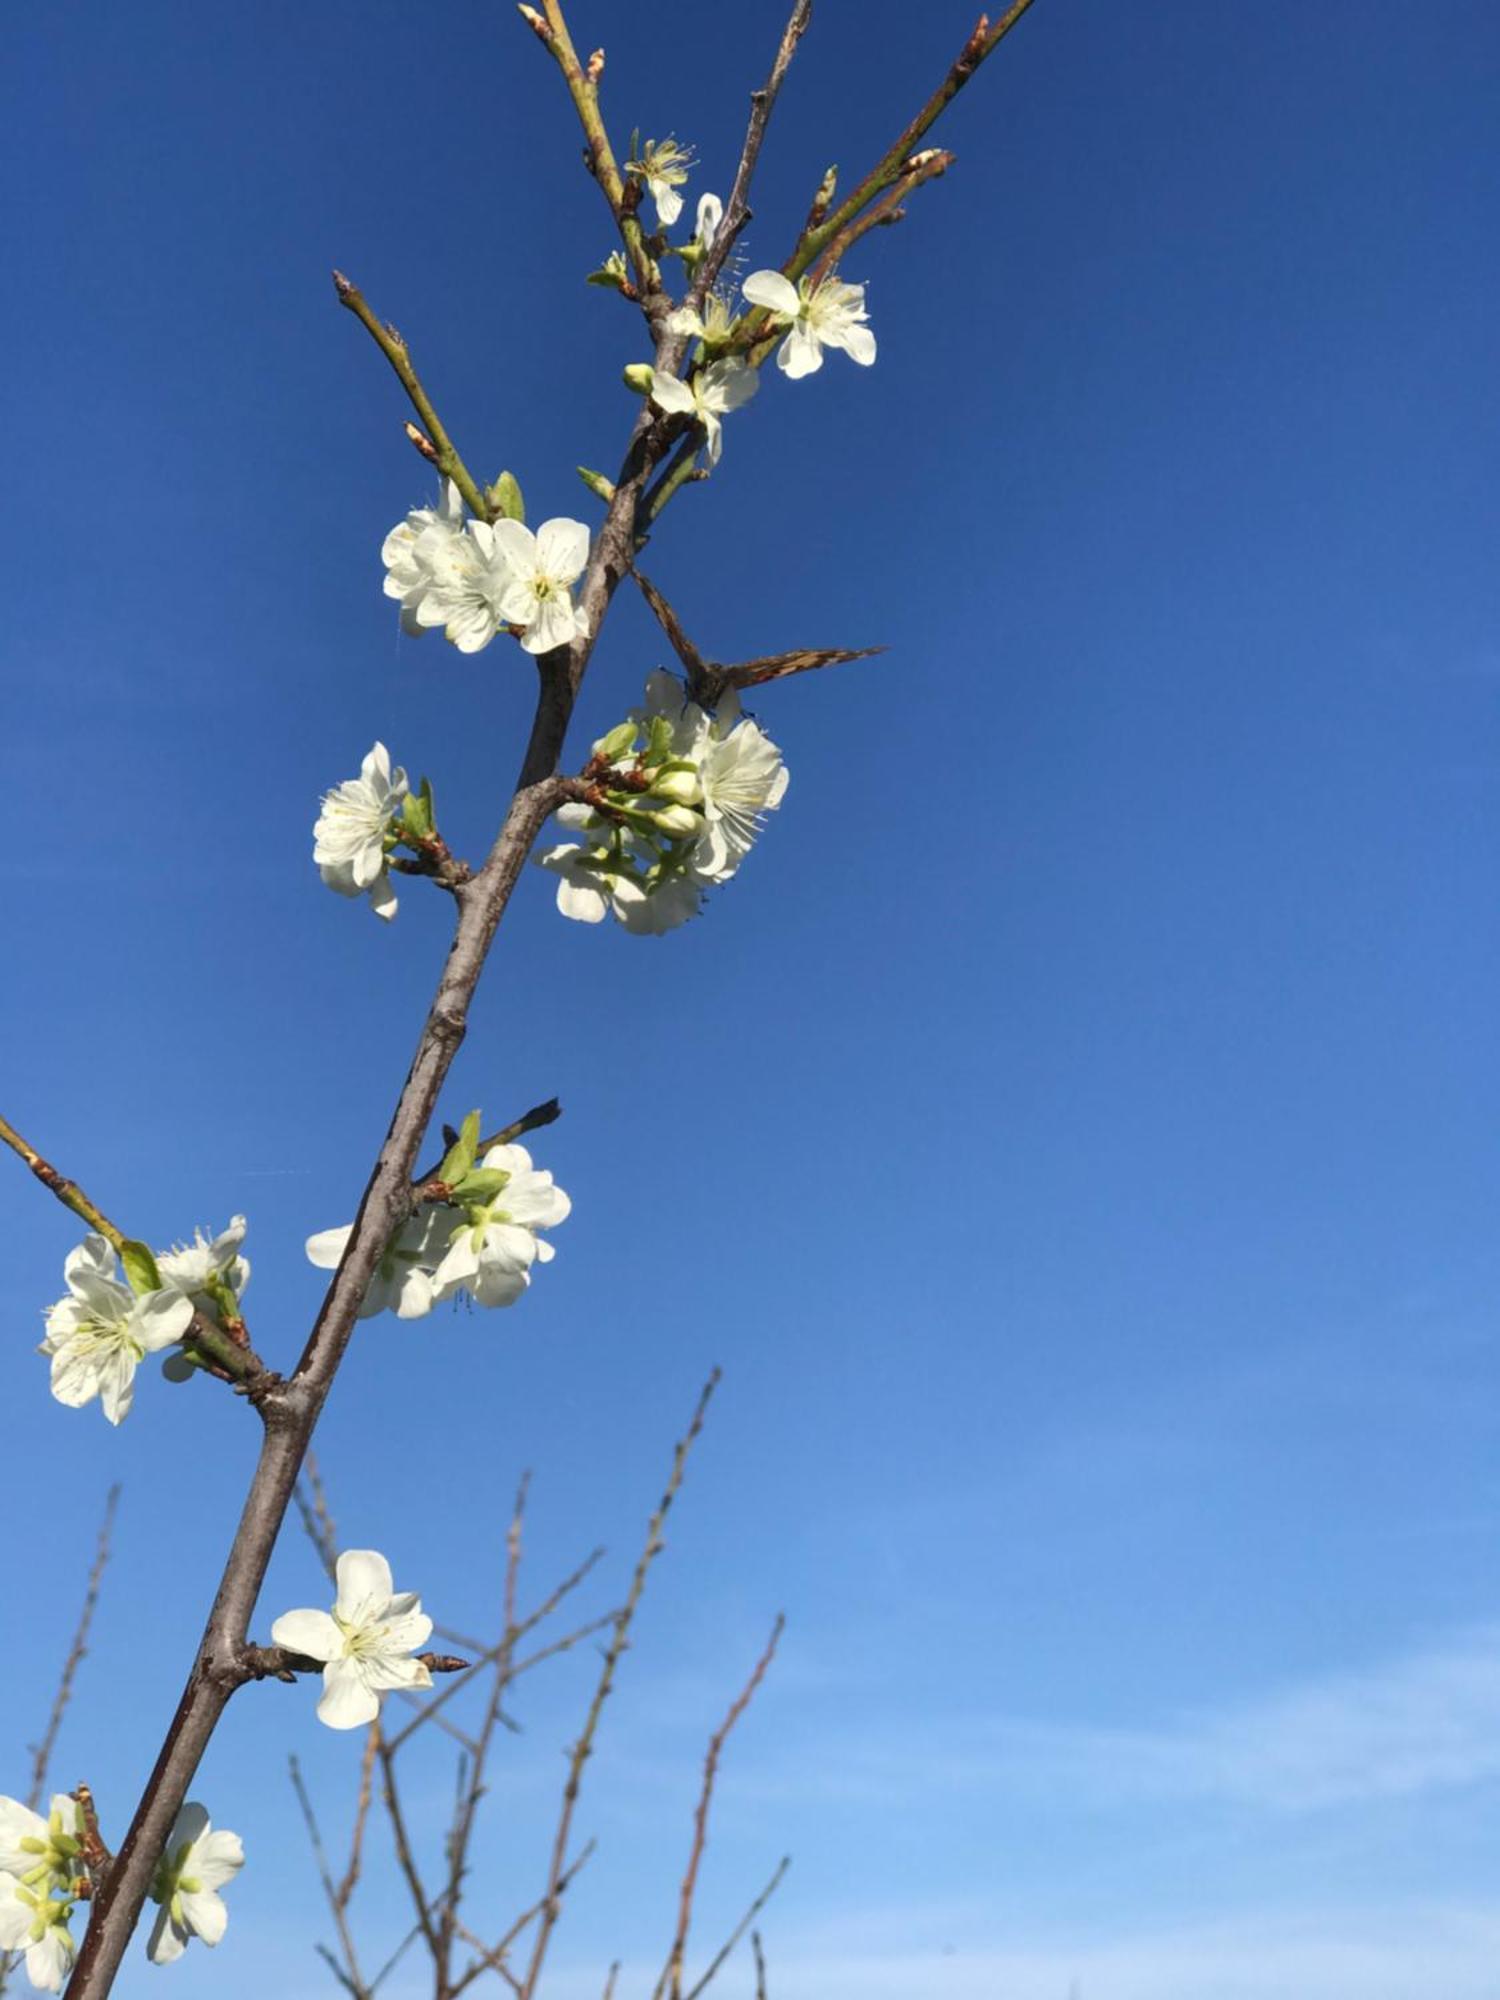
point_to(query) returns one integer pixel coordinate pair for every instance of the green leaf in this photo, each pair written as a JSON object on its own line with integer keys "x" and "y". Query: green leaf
{"x": 460, "y": 1157}
{"x": 140, "y": 1267}
{"x": 482, "y": 1184}
{"x": 506, "y": 495}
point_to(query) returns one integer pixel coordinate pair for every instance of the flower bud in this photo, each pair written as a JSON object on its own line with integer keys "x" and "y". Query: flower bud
{"x": 640, "y": 376}
{"x": 677, "y": 822}
{"x": 619, "y": 743}
{"x": 679, "y": 788}
{"x": 602, "y": 488}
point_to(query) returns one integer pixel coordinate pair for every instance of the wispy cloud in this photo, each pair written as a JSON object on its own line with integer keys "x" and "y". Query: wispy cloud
{"x": 1420, "y": 1723}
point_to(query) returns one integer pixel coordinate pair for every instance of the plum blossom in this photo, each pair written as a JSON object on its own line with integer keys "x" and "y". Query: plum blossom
{"x": 422, "y": 551}
{"x": 743, "y": 777}
{"x": 196, "y": 1865}
{"x": 540, "y": 569}
{"x": 663, "y": 166}
{"x": 709, "y": 394}
{"x": 349, "y": 838}
{"x": 35, "y": 1922}
{"x": 41, "y": 1852}
{"x": 365, "y": 1642}
{"x": 491, "y": 1251}
{"x": 828, "y": 314}
{"x": 98, "y": 1336}
{"x": 191, "y": 1268}
{"x": 403, "y": 1280}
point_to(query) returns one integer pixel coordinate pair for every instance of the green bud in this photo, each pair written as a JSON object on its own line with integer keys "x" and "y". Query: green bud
{"x": 619, "y": 743}
{"x": 602, "y": 488}
{"x": 658, "y": 740}
{"x": 416, "y": 813}
{"x": 482, "y": 1184}
{"x": 460, "y": 1157}
{"x": 140, "y": 1268}
{"x": 505, "y": 496}
{"x": 679, "y": 788}
{"x": 676, "y": 822}
{"x": 640, "y": 376}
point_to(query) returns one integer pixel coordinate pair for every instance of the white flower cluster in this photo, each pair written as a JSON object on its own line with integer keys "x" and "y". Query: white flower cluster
{"x": 42, "y": 1870}
{"x": 472, "y": 579}
{"x": 365, "y": 1642}
{"x": 101, "y": 1332}
{"x": 482, "y": 1242}
{"x": 681, "y": 796}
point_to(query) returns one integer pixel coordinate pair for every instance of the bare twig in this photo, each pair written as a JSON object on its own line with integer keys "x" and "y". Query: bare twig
{"x": 338, "y": 1904}
{"x": 583, "y": 1748}
{"x": 740, "y": 1928}
{"x": 670, "y": 1981}
{"x": 493, "y": 1959}
{"x": 760, "y": 1965}
{"x": 41, "y": 1752}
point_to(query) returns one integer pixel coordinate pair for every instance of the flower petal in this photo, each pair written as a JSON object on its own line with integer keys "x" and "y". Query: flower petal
{"x": 311, "y": 1632}
{"x": 773, "y": 290}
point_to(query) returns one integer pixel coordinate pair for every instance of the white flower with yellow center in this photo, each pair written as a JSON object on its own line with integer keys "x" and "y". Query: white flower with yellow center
{"x": 350, "y": 833}
{"x": 493, "y": 1248}
{"x": 197, "y": 1864}
{"x": 707, "y": 397}
{"x": 830, "y": 314}
{"x": 663, "y": 166}
{"x": 743, "y": 778}
{"x": 41, "y": 1853}
{"x": 540, "y": 570}
{"x": 98, "y": 1336}
{"x": 36, "y": 1923}
{"x": 365, "y": 1641}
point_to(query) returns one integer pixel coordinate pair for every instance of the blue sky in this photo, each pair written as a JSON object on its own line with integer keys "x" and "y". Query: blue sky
{"x": 1073, "y": 1132}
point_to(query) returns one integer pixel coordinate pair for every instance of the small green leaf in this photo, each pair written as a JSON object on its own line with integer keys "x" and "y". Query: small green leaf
{"x": 140, "y": 1268}
{"x": 460, "y": 1157}
{"x": 506, "y": 495}
{"x": 481, "y": 1184}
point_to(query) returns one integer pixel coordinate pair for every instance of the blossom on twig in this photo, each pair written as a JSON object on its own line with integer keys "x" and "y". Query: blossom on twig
{"x": 491, "y": 1251}
{"x": 365, "y": 1641}
{"x": 196, "y": 1865}
{"x": 353, "y": 828}
{"x": 99, "y": 1335}
{"x": 707, "y": 397}
{"x": 663, "y": 166}
{"x": 423, "y": 548}
{"x": 35, "y": 1922}
{"x": 193, "y": 1268}
{"x": 42, "y": 1853}
{"x": 541, "y": 568}
{"x": 830, "y": 314}
{"x": 403, "y": 1280}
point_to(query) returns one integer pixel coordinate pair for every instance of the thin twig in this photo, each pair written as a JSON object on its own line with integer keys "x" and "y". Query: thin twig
{"x": 671, "y": 1977}
{"x": 494, "y": 1955}
{"x": 352, "y": 1978}
{"x": 395, "y": 350}
{"x": 42, "y": 1752}
{"x": 740, "y": 1928}
{"x": 583, "y": 1748}
{"x": 760, "y": 1965}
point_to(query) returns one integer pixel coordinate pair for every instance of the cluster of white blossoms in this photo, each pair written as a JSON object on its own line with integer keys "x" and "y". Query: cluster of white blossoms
{"x": 471, "y": 579}
{"x": 43, "y": 1870}
{"x": 365, "y": 1643}
{"x": 482, "y": 1241}
{"x": 112, "y": 1319}
{"x": 679, "y": 798}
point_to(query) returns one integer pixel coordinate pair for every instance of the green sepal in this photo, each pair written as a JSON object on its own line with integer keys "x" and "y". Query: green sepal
{"x": 461, "y": 1155}
{"x": 505, "y": 495}
{"x": 140, "y": 1267}
{"x": 481, "y": 1184}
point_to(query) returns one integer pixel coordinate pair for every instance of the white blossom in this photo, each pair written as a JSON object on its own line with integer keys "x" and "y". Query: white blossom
{"x": 42, "y": 1853}
{"x": 196, "y": 1865}
{"x": 706, "y": 227}
{"x": 663, "y": 166}
{"x": 743, "y": 777}
{"x": 402, "y": 1283}
{"x": 540, "y": 568}
{"x": 192, "y": 1267}
{"x": 36, "y": 1923}
{"x": 712, "y": 326}
{"x": 467, "y": 598}
{"x": 421, "y": 551}
{"x": 707, "y": 397}
{"x": 365, "y": 1642}
{"x": 594, "y": 879}
{"x": 350, "y": 833}
{"x": 493, "y": 1248}
{"x": 830, "y": 314}
{"x": 98, "y": 1336}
